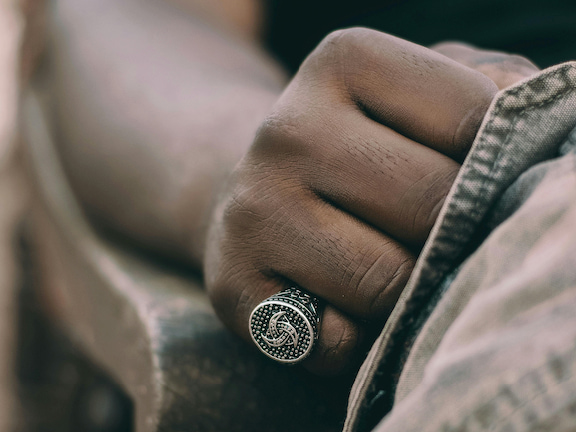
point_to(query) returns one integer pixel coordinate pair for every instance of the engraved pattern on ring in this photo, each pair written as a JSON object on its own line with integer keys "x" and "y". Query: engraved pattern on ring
{"x": 285, "y": 326}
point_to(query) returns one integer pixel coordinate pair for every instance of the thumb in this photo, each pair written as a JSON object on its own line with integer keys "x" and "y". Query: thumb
{"x": 502, "y": 68}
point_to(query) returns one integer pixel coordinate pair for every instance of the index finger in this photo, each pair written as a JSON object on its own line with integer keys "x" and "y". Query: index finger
{"x": 419, "y": 93}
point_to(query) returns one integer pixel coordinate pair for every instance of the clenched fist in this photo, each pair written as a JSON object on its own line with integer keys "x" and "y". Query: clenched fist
{"x": 342, "y": 185}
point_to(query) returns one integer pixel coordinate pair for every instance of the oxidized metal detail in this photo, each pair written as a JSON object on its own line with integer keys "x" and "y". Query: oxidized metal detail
{"x": 285, "y": 325}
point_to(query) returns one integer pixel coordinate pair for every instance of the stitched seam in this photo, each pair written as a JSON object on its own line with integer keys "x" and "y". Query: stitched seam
{"x": 490, "y": 126}
{"x": 495, "y": 162}
{"x": 489, "y": 130}
{"x": 363, "y": 391}
{"x": 499, "y": 157}
{"x": 536, "y": 396}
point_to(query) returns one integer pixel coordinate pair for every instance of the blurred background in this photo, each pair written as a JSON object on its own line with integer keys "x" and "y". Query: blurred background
{"x": 36, "y": 384}
{"x": 142, "y": 312}
{"x": 13, "y": 197}
{"x": 46, "y": 384}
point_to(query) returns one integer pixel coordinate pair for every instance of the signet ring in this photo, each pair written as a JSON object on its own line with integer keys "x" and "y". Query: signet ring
{"x": 285, "y": 325}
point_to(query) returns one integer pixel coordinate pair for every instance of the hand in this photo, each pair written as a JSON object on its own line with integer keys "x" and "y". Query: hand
{"x": 342, "y": 185}
{"x": 504, "y": 69}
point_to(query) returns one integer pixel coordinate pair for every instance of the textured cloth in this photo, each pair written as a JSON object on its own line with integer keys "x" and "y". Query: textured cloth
{"x": 484, "y": 335}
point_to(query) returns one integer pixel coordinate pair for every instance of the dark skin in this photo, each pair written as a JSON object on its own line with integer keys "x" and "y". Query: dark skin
{"x": 202, "y": 152}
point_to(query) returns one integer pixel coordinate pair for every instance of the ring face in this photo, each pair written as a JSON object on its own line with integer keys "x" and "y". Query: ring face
{"x": 285, "y": 326}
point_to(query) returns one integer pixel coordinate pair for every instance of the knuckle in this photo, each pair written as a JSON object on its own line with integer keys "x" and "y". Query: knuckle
{"x": 484, "y": 91}
{"x": 383, "y": 282}
{"x": 287, "y": 146}
{"x": 276, "y": 135}
{"x": 344, "y": 343}
{"x": 240, "y": 210}
{"x": 349, "y": 38}
{"x": 424, "y": 210}
{"x": 480, "y": 98}
{"x": 254, "y": 207}
{"x": 336, "y": 51}
{"x": 385, "y": 299}
{"x": 228, "y": 292}
{"x": 230, "y": 259}
{"x": 238, "y": 216}
{"x": 521, "y": 62}
{"x": 451, "y": 46}
{"x": 258, "y": 215}
{"x": 337, "y": 351}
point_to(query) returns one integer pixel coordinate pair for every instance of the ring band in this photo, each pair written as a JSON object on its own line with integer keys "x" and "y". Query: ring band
{"x": 285, "y": 325}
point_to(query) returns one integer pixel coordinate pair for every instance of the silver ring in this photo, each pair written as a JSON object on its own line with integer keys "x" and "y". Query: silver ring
{"x": 285, "y": 325}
